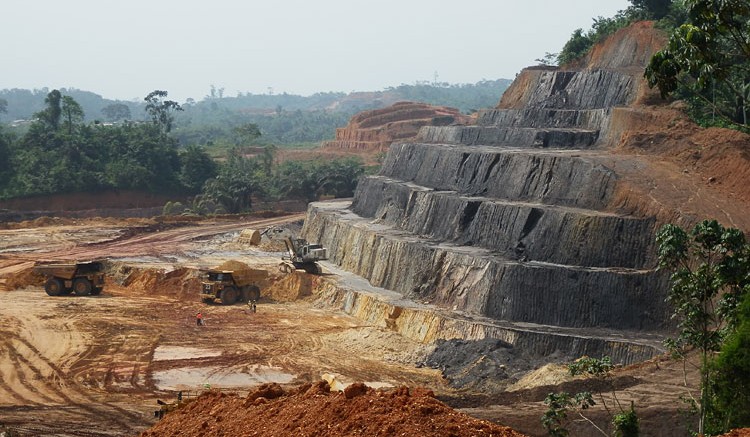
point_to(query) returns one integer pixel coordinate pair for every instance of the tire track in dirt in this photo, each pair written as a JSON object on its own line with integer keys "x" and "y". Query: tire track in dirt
{"x": 52, "y": 384}
{"x": 68, "y": 393}
{"x": 31, "y": 375}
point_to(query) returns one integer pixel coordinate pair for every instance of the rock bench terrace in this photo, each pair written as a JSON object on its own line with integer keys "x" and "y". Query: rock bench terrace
{"x": 509, "y": 221}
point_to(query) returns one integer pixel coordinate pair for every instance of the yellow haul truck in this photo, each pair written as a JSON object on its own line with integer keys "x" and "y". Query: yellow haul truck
{"x": 241, "y": 283}
{"x": 82, "y": 278}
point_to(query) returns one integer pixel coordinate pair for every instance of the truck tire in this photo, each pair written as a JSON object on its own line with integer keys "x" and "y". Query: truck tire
{"x": 229, "y": 296}
{"x": 54, "y": 287}
{"x": 82, "y": 287}
{"x": 313, "y": 268}
{"x": 250, "y": 293}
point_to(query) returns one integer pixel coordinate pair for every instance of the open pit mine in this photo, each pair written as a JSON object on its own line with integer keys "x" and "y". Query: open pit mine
{"x": 485, "y": 254}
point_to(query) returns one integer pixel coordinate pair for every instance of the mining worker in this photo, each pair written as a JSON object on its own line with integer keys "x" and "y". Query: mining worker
{"x": 199, "y": 319}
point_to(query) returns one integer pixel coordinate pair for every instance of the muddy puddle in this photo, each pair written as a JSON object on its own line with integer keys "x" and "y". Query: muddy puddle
{"x": 187, "y": 378}
{"x": 163, "y": 353}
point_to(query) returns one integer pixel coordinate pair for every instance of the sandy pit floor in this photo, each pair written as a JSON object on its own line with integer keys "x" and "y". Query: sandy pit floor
{"x": 87, "y": 366}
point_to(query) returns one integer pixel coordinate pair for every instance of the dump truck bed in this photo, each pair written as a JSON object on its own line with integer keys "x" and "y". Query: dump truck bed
{"x": 67, "y": 270}
{"x": 245, "y": 276}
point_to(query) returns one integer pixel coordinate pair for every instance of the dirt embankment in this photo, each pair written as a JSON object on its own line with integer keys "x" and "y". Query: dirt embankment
{"x": 690, "y": 172}
{"x": 313, "y": 410}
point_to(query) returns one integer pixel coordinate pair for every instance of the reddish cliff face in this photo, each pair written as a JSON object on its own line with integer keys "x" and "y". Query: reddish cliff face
{"x": 375, "y": 130}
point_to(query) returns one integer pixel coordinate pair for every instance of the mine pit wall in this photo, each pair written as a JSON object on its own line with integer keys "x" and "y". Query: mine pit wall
{"x": 509, "y": 136}
{"x": 478, "y": 282}
{"x": 548, "y": 178}
{"x": 558, "y": 109}
{"x": 514, "y": 230}
{"x": 545, "y": 88}
{"x": 545, "y": 118}
{"x": 427, "y": 325}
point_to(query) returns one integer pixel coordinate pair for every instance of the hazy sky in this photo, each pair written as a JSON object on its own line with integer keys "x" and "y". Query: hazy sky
{"x": 125, "y": 49}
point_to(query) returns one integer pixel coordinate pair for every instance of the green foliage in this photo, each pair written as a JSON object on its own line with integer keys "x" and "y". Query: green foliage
{"x": 246, "y": 133}
{"x": 652, "y": 9}
{"x": 580, "y": 42}
{"x": 173, "y": 208}
{"x": 239, "y": 179}
{"x": 196, "y": 167}
{"x": 50, "y": 116}
{"x": 243, "y": 178}
{"x": 6, "y": 167}
{"x": 626, "y": 423}
{"x": 116, "y": 112}
{"x": 549, "y": 59}
{"x": 676, "y": 16}
{"x": 708, "y": 58}
{"x": 710, "y": 275}
{"x": 22, "y": 104}
{"x": 711, "y": 269}
{"x": 3, "y": 106}
{"x": 731, "y": 382}
{"x": 464, "y": 97}
{"x": 72, "y": 114}
{"x": 223, "y": 128}
{"x": 60, "y": 153}
{"x": 160, "y": 110}
{"x": 555, "y": 418}
{"x": 591, "y": 366}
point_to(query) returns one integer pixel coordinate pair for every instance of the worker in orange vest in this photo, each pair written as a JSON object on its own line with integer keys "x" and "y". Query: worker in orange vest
{"x": 199, "y": 319}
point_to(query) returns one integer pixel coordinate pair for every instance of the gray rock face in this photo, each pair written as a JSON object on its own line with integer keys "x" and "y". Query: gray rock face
{"x": 568, "y": 138}
{"x": 479, "y": 281}
{"x": 501, "y": 173}
{"x": 507, "y": 221}
{"x": 581, "y": 90}
{"x": 515, "y": 230}
{"x": 544, "y": 118}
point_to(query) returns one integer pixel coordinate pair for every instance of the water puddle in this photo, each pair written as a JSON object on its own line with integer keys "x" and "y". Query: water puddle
{"x": 163, "y": 353}
{"x": 187, "y": 378}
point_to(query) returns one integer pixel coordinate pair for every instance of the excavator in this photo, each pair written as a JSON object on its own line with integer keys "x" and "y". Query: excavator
{"x": 301, "y": 254}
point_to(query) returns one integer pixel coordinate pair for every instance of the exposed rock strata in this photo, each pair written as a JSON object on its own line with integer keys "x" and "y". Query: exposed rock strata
{"x": 510, "y": 219}
{"x": 424, "y": 324}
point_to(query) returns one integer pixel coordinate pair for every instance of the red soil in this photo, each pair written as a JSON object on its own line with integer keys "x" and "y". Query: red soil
{"x": 313, "y": 410}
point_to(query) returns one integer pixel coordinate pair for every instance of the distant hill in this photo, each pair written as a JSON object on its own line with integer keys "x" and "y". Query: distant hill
{"x": 23, "y": 103}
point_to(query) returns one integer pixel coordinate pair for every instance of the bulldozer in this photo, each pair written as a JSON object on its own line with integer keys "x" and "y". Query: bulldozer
{"x": 301, "y": 255}
{"x": 83, "y": 278}
{"x": 231, "y": 282}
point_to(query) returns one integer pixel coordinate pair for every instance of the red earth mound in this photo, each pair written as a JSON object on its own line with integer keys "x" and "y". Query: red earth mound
{"x": 313, "y": 410}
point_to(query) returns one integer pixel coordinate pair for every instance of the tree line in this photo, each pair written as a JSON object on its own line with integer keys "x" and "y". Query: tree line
{"x": 61, "y": 153}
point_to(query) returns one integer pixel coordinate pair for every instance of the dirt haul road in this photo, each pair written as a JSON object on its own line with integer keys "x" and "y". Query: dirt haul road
{"x": 95, "y": 366}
